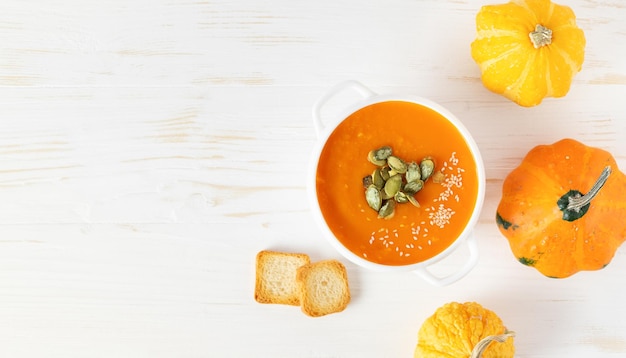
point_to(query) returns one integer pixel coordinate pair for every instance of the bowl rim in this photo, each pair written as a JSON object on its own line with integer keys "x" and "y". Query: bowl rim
{"x": 323, "y": 137}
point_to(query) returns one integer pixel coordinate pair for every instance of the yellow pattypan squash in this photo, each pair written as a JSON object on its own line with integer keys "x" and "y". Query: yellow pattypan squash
{"x": 464, "y": 330}
{"x": 528, "y": 49}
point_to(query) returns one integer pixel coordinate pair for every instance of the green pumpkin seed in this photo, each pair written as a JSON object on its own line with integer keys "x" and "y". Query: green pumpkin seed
{"x": 382, "y": 153}
{"x": 373, "y": 197}
{"x": 427, "y": 167}
{"x": 371, "y": 157}
{"x": 393, "y": 185}
{"x": 413, "y": 187}
{"x": 396, "y": 164}
{"x": 401, "y": 198}
{"x": 387, "y": 210}
{"x": 377, "y": 178}
{"x": 386, "y": 173}
{"x": 413, "y": 172}
{"x": 413, "y": 201}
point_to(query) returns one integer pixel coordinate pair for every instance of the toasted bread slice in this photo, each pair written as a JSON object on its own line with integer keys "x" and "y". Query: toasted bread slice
{"x": 276, "y": 277}
{"x": 323, "y": 288}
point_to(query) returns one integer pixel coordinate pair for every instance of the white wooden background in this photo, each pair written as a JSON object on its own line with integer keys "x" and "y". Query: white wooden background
{"x": 149, "y": 150}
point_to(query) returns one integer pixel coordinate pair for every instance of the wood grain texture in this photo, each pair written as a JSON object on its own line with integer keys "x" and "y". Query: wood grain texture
{"x": 149, "y": 150}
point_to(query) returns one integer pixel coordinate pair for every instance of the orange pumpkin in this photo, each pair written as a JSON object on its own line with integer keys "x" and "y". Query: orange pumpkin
{"x": 563, "y": 209}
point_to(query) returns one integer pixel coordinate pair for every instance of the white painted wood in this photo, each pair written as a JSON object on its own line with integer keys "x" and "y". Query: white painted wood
{"x": 149, "y": 150}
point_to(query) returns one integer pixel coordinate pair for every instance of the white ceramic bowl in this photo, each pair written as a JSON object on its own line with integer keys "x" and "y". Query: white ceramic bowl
{"x": 324, "y": 130}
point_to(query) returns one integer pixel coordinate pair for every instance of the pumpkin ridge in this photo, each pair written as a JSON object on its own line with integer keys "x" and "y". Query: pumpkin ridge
{"x": 491, "y": 32}
{"x": 513, "y": 91}
{"x": 546, "y": 181}
{"x": 581, "y": 247}
{"x": 484, "y": 66}
{"x": 524, "y": 5}
{"x": 549, "y": 18}
{"x": 569, "y": 25}
{"x": 550, "y": 86}
{"x": 573, "y": 65}
{"x": 557, "y": 66}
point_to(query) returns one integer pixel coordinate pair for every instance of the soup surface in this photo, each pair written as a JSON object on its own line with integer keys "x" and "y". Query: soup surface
{"x": 413, "y": 234}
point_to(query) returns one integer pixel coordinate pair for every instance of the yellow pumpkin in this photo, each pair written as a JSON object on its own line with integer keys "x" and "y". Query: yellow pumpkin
{"x": 528, "y": 49}
{"x": 464, "y": 330}
{"x": 563, "y": 209}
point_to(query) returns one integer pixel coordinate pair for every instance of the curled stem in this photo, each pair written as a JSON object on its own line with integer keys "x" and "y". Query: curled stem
{"x": 485, "y": 342}
{"x": 576, "y": 203}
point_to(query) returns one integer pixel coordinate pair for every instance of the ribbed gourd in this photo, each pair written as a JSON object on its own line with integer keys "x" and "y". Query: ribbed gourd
{"x": 528, "y": 49}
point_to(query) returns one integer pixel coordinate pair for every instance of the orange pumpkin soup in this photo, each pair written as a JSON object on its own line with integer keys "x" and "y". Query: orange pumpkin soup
{"x": 413, "y": 234}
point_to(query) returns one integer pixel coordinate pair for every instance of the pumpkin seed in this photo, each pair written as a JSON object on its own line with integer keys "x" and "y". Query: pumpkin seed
{"x": 413, "y": 187}
{"x": 401, "y": 197}
{"x": 413, "y": 172}
{"x": 386, "y": 173}
{"x": 367, "y": 181}
{"x": 393, "y": 185}
{"x": 383, "y": 153}
{"x": 427, "y": 167}
{"x": 371, "y": 157}
{"x": 413, "y": 201}
{"x": 387, "y": 210}
{"x": 377, "y": 178}
{"x": 385, "y": 196}
{"x": 396, "y": 164}
{"x": 439, "y": 177}
{"x": 373, "y": 197}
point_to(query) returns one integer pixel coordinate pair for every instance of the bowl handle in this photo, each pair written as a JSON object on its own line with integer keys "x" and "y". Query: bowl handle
{"x": 354, "y": 85}
{"x": 447, "y": 280}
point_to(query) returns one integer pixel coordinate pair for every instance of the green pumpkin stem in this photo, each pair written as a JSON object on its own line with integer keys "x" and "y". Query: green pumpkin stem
{"x": 574, "y": 205}
{"x": 480, "y": 348}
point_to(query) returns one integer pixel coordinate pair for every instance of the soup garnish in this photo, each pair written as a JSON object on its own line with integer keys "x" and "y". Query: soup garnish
{"x": 396, "y": 182}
